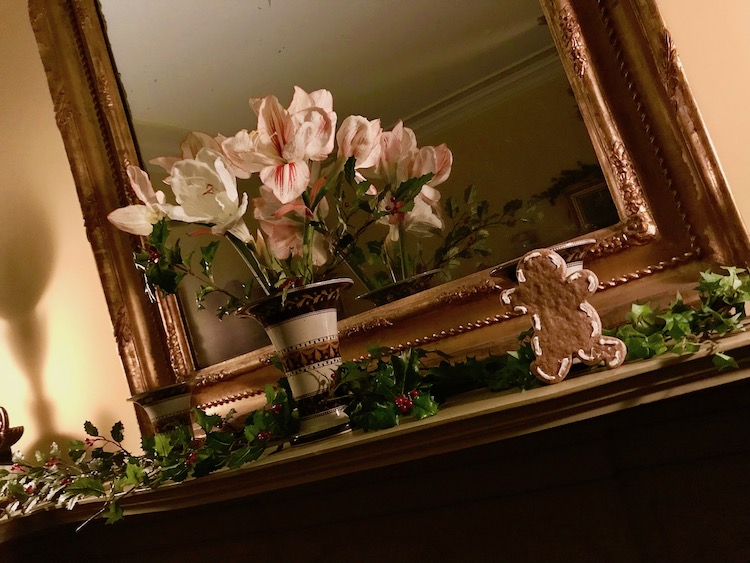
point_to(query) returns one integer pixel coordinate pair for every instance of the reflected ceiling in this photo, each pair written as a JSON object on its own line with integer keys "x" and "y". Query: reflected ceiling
{"x": 193, "y": 64}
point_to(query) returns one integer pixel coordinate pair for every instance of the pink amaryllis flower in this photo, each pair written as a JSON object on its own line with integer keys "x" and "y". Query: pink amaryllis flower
{"x": 140, "y": 219}
{"x": 285, "y": 142}
{"x": 359, "y": 137}
{"x": 283, "y": 225}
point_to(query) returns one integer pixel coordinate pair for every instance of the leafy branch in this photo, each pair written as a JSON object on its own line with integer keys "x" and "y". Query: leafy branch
{"x": 681, "y": 328}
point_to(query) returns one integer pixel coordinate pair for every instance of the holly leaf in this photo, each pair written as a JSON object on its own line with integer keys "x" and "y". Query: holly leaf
{"x": 245, "y": 455}
{"x": 208, "y": 253}
{"x": 162, "y": 444}
{"x": 374, "y": 416}
{"x": 90, "y": 429}
{"x": 205, "y": 421}
{"x": 86, "y": 486}
{"x": 117, "y": 432}
{"x": 424, "y": 406}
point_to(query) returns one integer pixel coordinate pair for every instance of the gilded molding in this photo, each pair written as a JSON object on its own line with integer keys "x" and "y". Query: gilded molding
{"x": 467, "y": 292}
{"x": 63, "y": 111}
{"x": 443, "y": 334}
{"x": 671, "y": 67}
{"x": 104, "y": 93}
{"x": 231, "y": 398}
{"x": 576, "y": 49}
{"x": 379, "y": 322}
{"x": 650, "y": 270}
{"x": 629, "y": 185}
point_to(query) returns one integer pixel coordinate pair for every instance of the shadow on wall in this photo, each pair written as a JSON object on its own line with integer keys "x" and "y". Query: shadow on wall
{"x": 27, "y": 256}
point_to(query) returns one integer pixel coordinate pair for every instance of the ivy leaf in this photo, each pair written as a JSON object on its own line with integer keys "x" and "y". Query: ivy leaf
{"x": 685, "y": 346}
{"x": 90, "y": 429}
{"x": 117, "y": 432}
{"x": 724, "y": 361}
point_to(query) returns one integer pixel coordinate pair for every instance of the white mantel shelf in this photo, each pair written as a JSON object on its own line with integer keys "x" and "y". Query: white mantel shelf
{"x": 472, "y": 419}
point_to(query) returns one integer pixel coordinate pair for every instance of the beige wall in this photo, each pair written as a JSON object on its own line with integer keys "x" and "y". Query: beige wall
{"x": 713, "y": 41}
{"x": 58, "y": 360}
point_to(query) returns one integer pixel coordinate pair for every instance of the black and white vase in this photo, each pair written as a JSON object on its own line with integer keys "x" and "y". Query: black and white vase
{"x": 167, "y": 406}
{"x": 303, "y": 329}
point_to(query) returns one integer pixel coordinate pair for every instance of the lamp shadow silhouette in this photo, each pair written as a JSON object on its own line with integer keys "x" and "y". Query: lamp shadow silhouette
{"x": 27, "y": 256}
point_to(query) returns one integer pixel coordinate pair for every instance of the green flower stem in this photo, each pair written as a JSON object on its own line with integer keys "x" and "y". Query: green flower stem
{"x": 307, "y": 260}
{"x": 402, "y": 250}
{"x": 360, "y": 275}
{"x": 252, "y": 263}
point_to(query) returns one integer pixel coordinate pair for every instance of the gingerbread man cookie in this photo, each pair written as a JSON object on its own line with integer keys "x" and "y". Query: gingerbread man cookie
{"x": 565, "y": 323}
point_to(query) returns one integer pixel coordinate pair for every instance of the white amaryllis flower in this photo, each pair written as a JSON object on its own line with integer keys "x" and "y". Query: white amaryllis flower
{"x": 206, "y": 192}
{"x": 423, "y": 220}
{"x": 189, "y": 148}
{"x": 285, "y": 141}
{"x": 140, "y": 219}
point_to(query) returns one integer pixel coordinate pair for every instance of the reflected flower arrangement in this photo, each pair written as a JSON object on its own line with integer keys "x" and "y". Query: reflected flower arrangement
{"x": 322, "y": 192}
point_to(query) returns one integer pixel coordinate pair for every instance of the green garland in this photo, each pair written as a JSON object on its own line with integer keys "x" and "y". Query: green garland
{"x": 379, "y": 392}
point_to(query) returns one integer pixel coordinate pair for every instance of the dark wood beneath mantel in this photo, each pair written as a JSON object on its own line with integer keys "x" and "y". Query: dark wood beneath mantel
{"x": 648, "y": 481}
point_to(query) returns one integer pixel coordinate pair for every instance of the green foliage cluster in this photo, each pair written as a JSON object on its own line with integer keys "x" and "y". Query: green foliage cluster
{"x": 101, "y": 468}
{"x": 496, "y": 373}
{"x": 681, "y": 327}
{"x": 380, "y": 391}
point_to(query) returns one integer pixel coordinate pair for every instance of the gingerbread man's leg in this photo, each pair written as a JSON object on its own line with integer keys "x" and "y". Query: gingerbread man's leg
{"x": 550, "y": 366}
{"x": 611, "y": 351}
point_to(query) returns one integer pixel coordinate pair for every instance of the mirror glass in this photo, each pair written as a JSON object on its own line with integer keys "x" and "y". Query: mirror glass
{"x": 482, "y": 77}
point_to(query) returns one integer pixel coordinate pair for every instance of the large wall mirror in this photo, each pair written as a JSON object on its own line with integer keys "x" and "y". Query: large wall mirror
{"x": 487, "y": 81}
{"x": 585, "y": 95}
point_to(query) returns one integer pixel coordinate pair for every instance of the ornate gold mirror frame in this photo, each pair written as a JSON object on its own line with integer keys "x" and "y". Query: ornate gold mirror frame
{"x": 677, "y": 214}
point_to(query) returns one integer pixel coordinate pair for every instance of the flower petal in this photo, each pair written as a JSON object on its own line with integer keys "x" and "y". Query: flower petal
{"x": 287, "y": 181}
{"x": 134, "y": 219}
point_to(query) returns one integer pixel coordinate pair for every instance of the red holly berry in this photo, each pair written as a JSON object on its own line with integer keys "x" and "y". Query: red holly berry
{"x": 414, "y": 393}
{"x": 66, "y": 481}
{"x": 276, "y": 408}
{"x": 51, "y": 462}
{"x": 191, "y": 458}
{"x": 404, "y": 403}
{"x": 264, "y": 435}
{"x": 29, "y": 489}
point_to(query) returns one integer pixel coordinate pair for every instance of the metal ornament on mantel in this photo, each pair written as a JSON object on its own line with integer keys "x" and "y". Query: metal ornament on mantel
{"x": 9, "y": 435}
{"x": 565, "y": 324}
